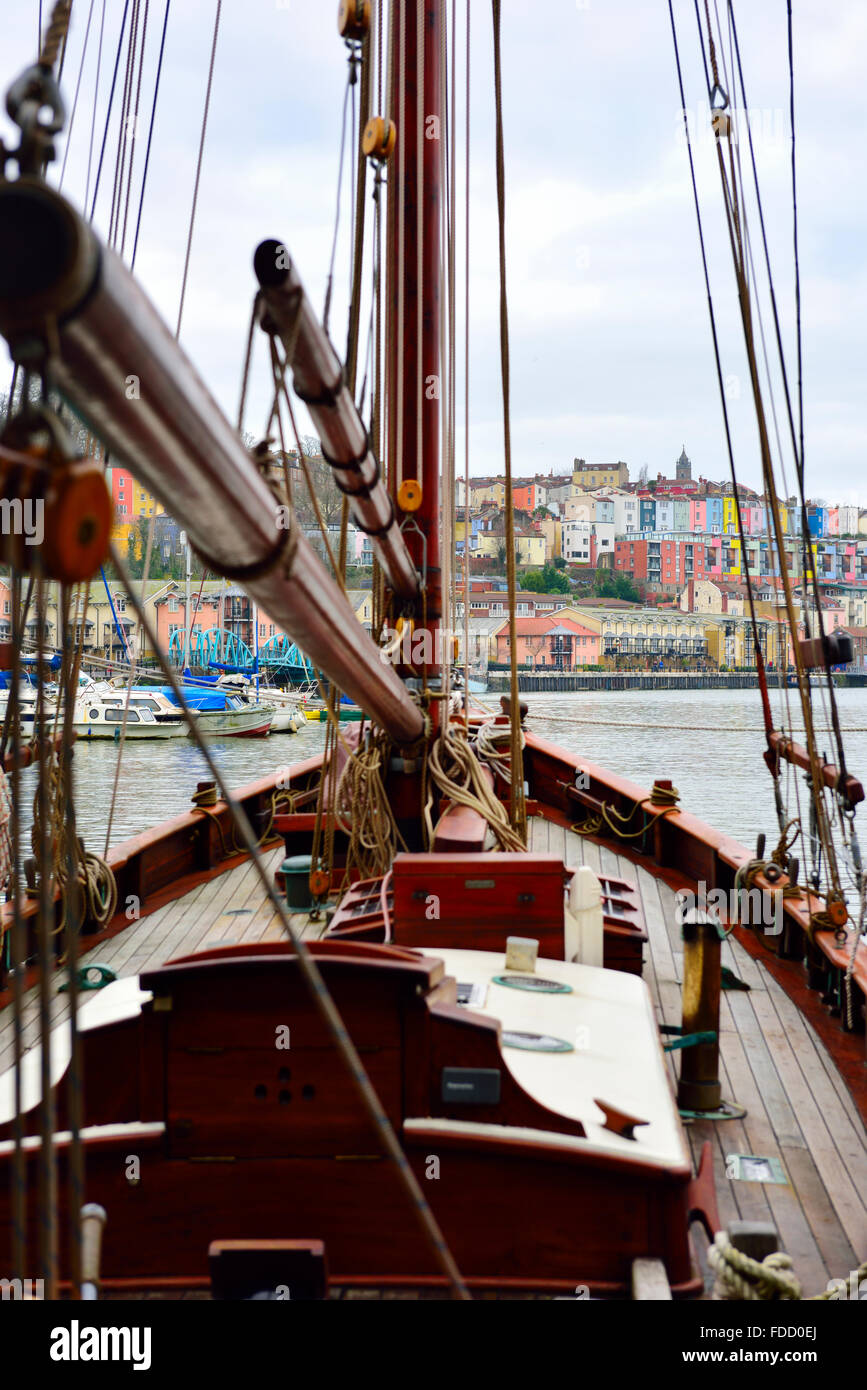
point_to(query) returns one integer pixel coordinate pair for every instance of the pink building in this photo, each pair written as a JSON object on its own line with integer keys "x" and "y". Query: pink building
{"x": 698, "y": 514}
{"x": 713, "y": 549}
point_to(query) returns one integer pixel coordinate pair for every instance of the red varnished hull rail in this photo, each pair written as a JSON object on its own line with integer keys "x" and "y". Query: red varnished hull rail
{"x": 167, "y": 861}
{"x": 685, "y": 851}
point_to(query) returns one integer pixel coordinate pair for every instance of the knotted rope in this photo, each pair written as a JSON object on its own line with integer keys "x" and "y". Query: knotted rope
{"x": 740, "y": 1277}
{"x": 771, "y": 1280}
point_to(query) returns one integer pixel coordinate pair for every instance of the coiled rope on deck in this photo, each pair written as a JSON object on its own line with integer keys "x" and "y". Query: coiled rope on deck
{"x": 771, "y": 1280}
{"x": 459, "y": 775}
{"x": 740, "y": 1277}
{"x": 95, "y": 876}
{"x": 666, "y": 798}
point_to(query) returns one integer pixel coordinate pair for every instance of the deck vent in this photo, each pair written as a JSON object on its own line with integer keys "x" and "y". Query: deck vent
{"x": 534, "y": 983}
{"x": 755, "y": 1168}
{"x": 535, "y": 1042}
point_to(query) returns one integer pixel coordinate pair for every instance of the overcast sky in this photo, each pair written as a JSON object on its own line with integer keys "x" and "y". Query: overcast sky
{"x": 610, "y": 343}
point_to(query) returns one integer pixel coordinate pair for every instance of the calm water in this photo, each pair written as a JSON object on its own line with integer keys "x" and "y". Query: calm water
{"x": 708, "y": 742}
{"x": 157, "y": 779}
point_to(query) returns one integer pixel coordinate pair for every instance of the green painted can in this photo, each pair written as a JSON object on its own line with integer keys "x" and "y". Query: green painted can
{"x": 296, "y": 878}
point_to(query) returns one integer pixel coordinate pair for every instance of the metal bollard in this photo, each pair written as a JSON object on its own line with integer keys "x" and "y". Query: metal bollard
{"x": 93, "y": 1219}
{"x": 699, "y": 1085}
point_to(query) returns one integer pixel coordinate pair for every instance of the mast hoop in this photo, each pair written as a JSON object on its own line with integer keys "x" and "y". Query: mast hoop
{"x": 326, "y": 397}
{"x": 252, "y": 571}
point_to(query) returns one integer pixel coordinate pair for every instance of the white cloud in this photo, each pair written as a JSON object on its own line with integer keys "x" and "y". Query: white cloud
{"x": 610, "y": 346}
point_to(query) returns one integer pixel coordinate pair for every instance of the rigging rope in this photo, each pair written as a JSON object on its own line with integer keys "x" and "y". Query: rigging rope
{"x": 199, "y": 166}
{"x": 147, "y": 157}
{"x": 736, "y": 223}
{"x": 517, "y": 803}
{"x": 318, "y": 990}
{"x": 75, "y": 98}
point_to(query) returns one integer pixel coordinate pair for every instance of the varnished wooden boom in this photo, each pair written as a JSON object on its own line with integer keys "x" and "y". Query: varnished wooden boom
{"x": 63, "y": 294}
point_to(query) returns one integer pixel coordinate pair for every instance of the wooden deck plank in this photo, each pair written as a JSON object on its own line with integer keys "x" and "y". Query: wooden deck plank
{"x": 590, "y": 852}
{"x": 539, "y": 835}
{"x": 797, "y": 1236}
{"x": 833, "y": 1241}
{"x": 837, "y": 1106}
{"x": 842, "y": 1191}
{"x": 668, "y": 982}
{"x": 774, "y": 1093}
{"x": 111, "y": 953}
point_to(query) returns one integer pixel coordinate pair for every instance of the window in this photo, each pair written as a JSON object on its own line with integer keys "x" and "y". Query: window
{"x": 173, "y": 605}
{"x": 115, "y": 715}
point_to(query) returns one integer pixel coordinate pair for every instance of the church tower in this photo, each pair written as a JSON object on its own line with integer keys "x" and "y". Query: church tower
{"x": 683, "y": 468}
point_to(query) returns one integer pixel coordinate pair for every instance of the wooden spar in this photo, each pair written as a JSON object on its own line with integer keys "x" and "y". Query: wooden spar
{"x": 318, "y": 380}
{"x": 417, "y": 382}
{"x": 779, "y": 746}
{"x": 115, "y": 361}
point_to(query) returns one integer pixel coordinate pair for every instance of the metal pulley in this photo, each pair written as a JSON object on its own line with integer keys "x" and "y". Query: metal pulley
{"x": 35, "y": 105}
{"x": 55, "y": 508}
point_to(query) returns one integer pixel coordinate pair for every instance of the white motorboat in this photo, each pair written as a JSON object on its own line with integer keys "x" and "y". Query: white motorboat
{"x": 100, "y": 716}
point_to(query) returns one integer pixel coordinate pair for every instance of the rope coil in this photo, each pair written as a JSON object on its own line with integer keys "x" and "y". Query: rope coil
{"x": 740, "y": 1277}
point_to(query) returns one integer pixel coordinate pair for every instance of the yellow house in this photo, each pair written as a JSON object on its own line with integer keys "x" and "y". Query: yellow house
{"x": 730, "y": 640}
{"x": 361, "y": 601}
{"x": 488, "y": 490}
{"x": 591, "y": 475}
{"x": 552, "y": 529}
{"x": 530, "y": 550}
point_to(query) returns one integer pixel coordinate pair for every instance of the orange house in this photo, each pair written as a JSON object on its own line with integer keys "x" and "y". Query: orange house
{"x": 524, "y": 497}
{"x": 553, "y": 643}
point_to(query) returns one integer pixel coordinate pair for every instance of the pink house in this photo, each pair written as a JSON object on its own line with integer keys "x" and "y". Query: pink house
{"x": 715, "y": 569}
{"x": 698, "y": 514}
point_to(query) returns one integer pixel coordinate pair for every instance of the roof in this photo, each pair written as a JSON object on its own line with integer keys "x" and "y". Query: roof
{"x": 521, "y": 595}
{"x": 533, "y": 627}
{"x": 604, "y": 602}
{"x": 486, "y": 624}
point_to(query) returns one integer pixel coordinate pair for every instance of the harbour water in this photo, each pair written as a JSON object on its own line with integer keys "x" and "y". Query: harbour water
{"x": 709, "y": 742}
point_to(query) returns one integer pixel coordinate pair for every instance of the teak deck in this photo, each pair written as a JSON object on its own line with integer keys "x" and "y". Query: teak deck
{"x": 799, "y": 1110}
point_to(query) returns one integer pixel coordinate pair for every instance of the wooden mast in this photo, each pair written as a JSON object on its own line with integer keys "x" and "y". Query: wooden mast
{"x": 413, "y": 367}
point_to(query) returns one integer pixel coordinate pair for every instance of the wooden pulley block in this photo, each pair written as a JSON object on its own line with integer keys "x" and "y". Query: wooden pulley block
{"x": 722, "y": 124}
{"x": 379, "y": 138}
{"x": 319, "y": 883}
{"x": 837, "y": 911}
{"x": 55, "y": 508}
{"x": 353, "y": 19}
{"x": 409, "y": 495}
